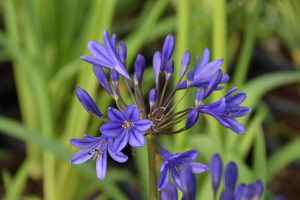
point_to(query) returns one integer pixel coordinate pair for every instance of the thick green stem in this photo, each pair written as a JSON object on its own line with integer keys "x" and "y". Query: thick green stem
{"x": 152, "y": 167}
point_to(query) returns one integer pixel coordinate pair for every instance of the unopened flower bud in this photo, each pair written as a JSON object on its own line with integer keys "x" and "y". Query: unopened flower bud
{"x": 169, "y": 69}
{"x": 248, "y": 192}
{"x": 199, "y": 97}
{"x": 167, "y": 51}
{"x": 185, "y": 61}
{"x": 216, "y": 167}
{"x": 156, "y": 65}
{"x": 122, "y": 51}
{"x": 139, "y": 67}
{"x": 231, "y": 175}
{"x": 101, "y": 76}
{"x": 114, "y": 76}
{"x": 259, "y": 189}
{"x": 87, "y": 102}
{"x": 239, "y": 192}
{"x": 190, "y": 77}
{"x": 152, "y": 97}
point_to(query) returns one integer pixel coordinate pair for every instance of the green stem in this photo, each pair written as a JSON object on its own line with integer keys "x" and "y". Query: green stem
{"x": 152, "y": 167}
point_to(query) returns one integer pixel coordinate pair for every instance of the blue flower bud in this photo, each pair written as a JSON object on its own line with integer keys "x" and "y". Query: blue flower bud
{"x": 152, "y": 97}
{"x": 227, "y": 195}
{"x": 139, "y": 67}
{"x": 135, "y": 80}
{"x": 122, "y": 51}
{"x": 192, "y": 118}
{"x": 185, "y": 61}
{"x": 190, "y": 77}
{"x": 248, "y": 192}
{"x": 156, "y": 65}
{"x": 87, "y": 102}
{"x": 216, "y": 167}
{"x": 213, "y": 83}
{"x": 169, "y": 193}
{"x": 169, "y": 69}
{"x": 231, "y": 175}
{"x": 259, "y": 189}
{"x": 239, "y": 192}
{"x": 101, "y": 76}
{"x": 114, "y": 76}
{"x": 115, "y": 95}
{"x": 199, "y": 97}
{"x": 167, "y": 51}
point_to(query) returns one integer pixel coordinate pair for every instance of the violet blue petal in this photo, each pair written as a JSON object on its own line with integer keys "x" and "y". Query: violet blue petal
{"x": 101, "y": 165}
{"x": 235, "y": 126}
{"x": 176, "y": 179}
{"x": 217, "y": 117}
{"x": 199, "y": 97}
{"x": 213, "y": 83}
{"x": 120, "y": 141}
{"x": 238, "y": 111}
{"x": 113, "y": 40}
{"x": 136, "y": 138}
{"x": 169, "y": 70}
{"x": 156, "y": 65}
{"x": 87, "y": 102}
{"x": 216, "y": 167}
{"x": 95, "y": 61}
{"x": 167, "y": 51}
{"x": 115, "y": 115}
{"x": 112, "y": 129}
{"x": 217, "y": 107}
{"x": 188, "y": 156}
{"x": 81, "y": 156}
{"x": 165, "y": 153}
{"x": 86, "y": 136}
{"x": 248, "y": 192}
{"x": 198, "y": 168}
{"x": 152, "y": 97}
{"x": 231, "y": 175}
{"x": 225, "y": 78}
{"x": 235, "y": 100}
{"x": 231, "y": 92}
{"x": 164, "y": 165}
{"x": 185, "y": 61}
{"x": 163, "y": 179}
{"x": 98, "y": 51}
{"x": 139, "y": 67}
{"x": 227, "y": 195}
{"x": 192, "y": 118}
{"x": 239, "y": 192}
{"x": 114, "y": 77}
{"x": 209, "y": 70}
{"x": 169, "y": 193}
{"x": 122, "y": 51}
{"x": 258, "y": 188}
{"x": 142, "y": 125}
{"x": 118, "y": 156}
{"x": 132, "y": 113}
{"x": 204, "y": 60}
{"x": 83, "y": 143}
{"x": 101, "y": 76}
{"x": 188, "y": 182}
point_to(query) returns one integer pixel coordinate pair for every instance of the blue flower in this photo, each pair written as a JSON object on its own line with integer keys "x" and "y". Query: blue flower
{"x": 226, "y": 109}
{"x": 231, "y": 175}
{"x": 204, "y": 71}
{"x": 125, "y": 127}
{"x": 216, "y": 168}
{"x": 96, "y": 147}
{"x": 173, "y": 162}
{"x": 106, "y": 56}
{"x": 169, "y": 193}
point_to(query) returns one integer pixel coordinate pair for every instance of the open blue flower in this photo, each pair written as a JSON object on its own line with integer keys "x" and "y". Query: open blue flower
{"x": 172, "y": 163}
{"x": 106, "y": 56}
{"x": 226, "y": 109}
{"x": 125, "y": 127}
{"x": 204, "y": 71}
{"x": 96, "y": 147}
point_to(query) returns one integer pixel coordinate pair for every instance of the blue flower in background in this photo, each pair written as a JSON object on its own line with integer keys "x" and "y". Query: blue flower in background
{"x": 125, "y": 127}
{"x": 204, "y": 71}
{"x": 169, "y": 193}
{"x": 172, "y": 163}
{"x": 106, "y": 56}
{"x": 96, "y": 147}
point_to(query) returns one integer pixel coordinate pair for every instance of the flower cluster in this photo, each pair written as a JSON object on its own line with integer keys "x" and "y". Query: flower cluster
{"x": 131, "y": 123}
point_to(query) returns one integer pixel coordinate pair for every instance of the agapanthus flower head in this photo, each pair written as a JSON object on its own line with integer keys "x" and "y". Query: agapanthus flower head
{"x": 185, "y": 61}
{"x": 114, "y": 76}
{"x": 139, "y": 67}
{"x": 231, "y": 175}
{"x": 204, "y": 71}
{"x": 258, "y": 189}
{"x": 169, "y": 69}
{"x": 101, "y": 76}
{"x": 169, "y": 193}
{"x": 152, "y": 97}
{"x": 248, "y": 192}
{"x": 125, "y": 127}
{"x": 173, "y": 162}
{"x": 122, "y": 51}
{"x": 87, "y": 102}
{"x": 105, "y": 56}
{"x": 96, "y": 147}
{"x": 216, "y": 167}
{"x": 167, "y": 51}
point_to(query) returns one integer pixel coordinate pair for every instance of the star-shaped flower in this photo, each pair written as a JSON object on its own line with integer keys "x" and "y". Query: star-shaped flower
{"x": 125, "y": 127}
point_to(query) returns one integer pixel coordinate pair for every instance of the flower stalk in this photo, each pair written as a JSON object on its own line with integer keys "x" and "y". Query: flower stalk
{"x": 152, "y": 166}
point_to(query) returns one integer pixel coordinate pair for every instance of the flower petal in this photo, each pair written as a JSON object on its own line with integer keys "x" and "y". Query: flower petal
{"x": 119, "y": 156}
{"x": 101, "y": 76}
{"x": 188, "y": 182}
{"x": 86, "y": 136}
{"x": 115, "y": 115}
{"x": 169, "y": 193}
{"x": 213, "y": 83}
{"x": 230, "y": 92}
{"x": 235, "y": 126}
{"x": 80, "y": 157}
{"x": 136, "y": 138}
{"x": 120, "y": 141}
{"x": 96, "y": 61}
{"x": 217, "y": 117}
{"x": 204, "y": 60}
{"x": 165, "y": 153}
{"x": 208, "y": 70}
{"x": 239, "y": 111}
{"x": 163, "y": 179}
{"x": 163, "y": 165}
{"x": 217, "y": 107}
{"x": 84, "y": 143}
{"x": 132, "y": 113}
{"x": 156, "y": 65}
{"x": 198, "y": 168}
{"x": 101, "y": 165}
{"x": 112, "y": 129}
{"x": 176, "y": 179}
{"x": 142, "y": 125}
{"x": 235, "y": 100}
{"x": 97, "y": 50}
{"x": 188, "y": 156}
{"x": 225, "y": 78}
{"x": 191, "y": 119}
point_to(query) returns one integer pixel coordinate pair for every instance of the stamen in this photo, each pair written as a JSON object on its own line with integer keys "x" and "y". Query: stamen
{"x": 177, "y": 169}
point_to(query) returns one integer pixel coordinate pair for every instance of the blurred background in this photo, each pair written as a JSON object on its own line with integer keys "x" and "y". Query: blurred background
{"x": 40, "y": 45}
